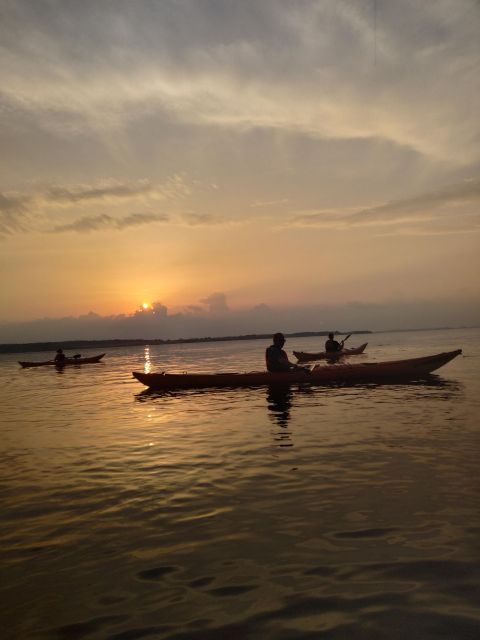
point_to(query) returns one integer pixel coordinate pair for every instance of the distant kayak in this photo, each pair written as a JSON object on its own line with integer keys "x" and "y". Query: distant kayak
{"x": 414, "y": 368}
{"x": 303, "y": 356}
{"x": 66, "y": 362}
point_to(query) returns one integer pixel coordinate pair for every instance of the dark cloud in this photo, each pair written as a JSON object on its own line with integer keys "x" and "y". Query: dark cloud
{"x": 262, "y": 308}
{"x": 455, "y": 201}
{"x": 216, "y": 302}
{"x": 200, "y": 219}
{"x": 101, "y": 222}
{"x": 13, "y": 210}
{"x": 87, "y": 224}
{"x": 466, "y": 193}
{"x": 136, "y": 219}
{"x": 165, "y": 325}
{"x": 79, "y": 194}
{"x": 38, "y": 203}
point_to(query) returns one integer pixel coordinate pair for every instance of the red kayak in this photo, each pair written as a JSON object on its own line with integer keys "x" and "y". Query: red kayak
{"x": 304, "y": 356}
{"x": 64, "y": 363}
{"x": 414, "y": 368}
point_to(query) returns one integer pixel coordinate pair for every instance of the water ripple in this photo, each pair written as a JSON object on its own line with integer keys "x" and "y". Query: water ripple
{"x": 329, "y": 512}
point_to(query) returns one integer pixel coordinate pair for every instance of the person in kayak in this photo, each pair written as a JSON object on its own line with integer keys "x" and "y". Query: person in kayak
{"x": 60, "y": 357}
{"x": 331, "y": 345}
{"x": 277, "y": 359}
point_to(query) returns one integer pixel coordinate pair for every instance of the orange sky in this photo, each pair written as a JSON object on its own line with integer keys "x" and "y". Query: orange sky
{"x": 284, "y": 154}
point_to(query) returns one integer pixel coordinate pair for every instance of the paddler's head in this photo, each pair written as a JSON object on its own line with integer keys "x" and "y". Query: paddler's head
{"x": 279, "y": 340}
{"x": 331, "y": 336}
{"x": 59, "y": 350}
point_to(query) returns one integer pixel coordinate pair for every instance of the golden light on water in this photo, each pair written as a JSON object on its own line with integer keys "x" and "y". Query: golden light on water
{"x": 148, "y": 364}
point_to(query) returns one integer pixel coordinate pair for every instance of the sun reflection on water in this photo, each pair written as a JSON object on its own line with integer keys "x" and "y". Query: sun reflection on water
{"x": 148, "y": 364}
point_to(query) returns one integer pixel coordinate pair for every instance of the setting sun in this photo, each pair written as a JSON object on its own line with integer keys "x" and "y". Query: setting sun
{"x": 146, "y": 305}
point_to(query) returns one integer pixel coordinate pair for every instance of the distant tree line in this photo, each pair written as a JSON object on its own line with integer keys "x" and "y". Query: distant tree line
{"x": 134, "y": 342}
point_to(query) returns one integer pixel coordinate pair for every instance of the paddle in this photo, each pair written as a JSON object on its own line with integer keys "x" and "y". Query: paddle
{"x": 345, "y": 339}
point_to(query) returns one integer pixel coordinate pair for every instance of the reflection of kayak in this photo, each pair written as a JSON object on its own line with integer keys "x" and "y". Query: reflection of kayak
{"x": 66, "y": 362}
{"x": 303, "y": 356}
{"x": 414, "y": 368}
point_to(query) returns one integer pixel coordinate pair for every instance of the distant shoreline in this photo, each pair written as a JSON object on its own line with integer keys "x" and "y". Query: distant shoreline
{"x": 139, "y": 342}
{"x": 70, "y": 345}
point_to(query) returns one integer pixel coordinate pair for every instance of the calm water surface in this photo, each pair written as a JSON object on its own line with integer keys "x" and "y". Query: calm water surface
{"x": 322, "y": 512}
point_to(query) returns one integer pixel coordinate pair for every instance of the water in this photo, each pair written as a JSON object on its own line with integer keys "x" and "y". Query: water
{"x": 335, "y": 512}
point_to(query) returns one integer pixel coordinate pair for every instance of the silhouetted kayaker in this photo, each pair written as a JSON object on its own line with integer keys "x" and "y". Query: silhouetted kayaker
{"x": 331, "y": 345}
{"x": 60, "y": 357}
{"x": 277, "y": 359}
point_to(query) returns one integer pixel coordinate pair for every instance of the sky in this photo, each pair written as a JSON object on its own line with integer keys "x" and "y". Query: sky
{"x": 237, "y": 167}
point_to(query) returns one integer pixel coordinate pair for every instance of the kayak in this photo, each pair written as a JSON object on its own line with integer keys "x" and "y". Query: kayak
{"x": 303, "y": 356}
{"x": 66, "y": 362}
{"x": 414, "y": 368}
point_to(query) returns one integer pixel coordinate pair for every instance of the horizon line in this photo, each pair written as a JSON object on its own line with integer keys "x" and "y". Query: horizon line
{"x": 24, "y": 347}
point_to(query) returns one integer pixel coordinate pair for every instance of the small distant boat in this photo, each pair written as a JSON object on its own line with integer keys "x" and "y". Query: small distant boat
{"x": 412, "y": 369}
{"x": 66, "y": 362}
{"x": 303, "y": 356}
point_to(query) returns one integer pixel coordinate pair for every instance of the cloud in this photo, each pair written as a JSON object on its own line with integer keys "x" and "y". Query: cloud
{"x": 458, "y": 203}
{"x": 208, "y": 219}
{"x": 32, "y": 209}
{"x": 216, "y": 302}
{"x": 89, "y": 193}
{"x": 157, "y": 309}
{"x": 13, "y": 211}
{"x": 328, "y": 69}
{"x": 173, "y": 187}
{"x": 105, "y": 221}
{"x": 165, "y": 325}
{"x": 136, "y": 219}
{"x": 200, "y": 219}
{"x": 466, "y": 193}
{"x": 448, "y": 229}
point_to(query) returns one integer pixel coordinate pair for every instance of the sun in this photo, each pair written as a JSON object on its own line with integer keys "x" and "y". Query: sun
{"x": 146, "y": 306}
